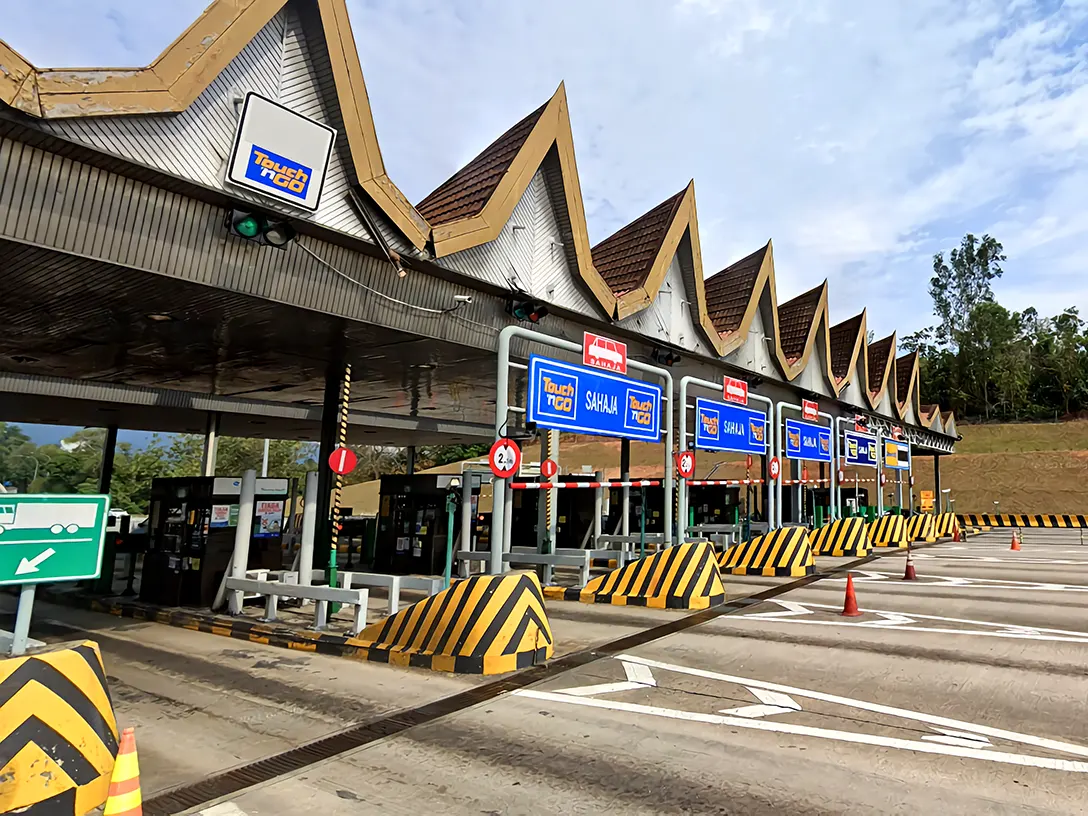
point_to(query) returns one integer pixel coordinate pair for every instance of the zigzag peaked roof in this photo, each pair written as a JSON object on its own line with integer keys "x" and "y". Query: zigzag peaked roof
{"x": 626, "y": 258}
{"x": 881, "y": 355}
{"x": 730, "y": 295}
{"x": 847, "y": 341}
{"x": 906, "y": 381}
{"x": 623, "y": 274}
{"x": 635, "y": 260}
{"x": 473, "y": 205}
{"x": 190, "y": 64}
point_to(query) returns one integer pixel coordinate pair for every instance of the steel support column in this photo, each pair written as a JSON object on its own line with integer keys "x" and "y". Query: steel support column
{"x": 109, "y": 448}
{"x": 937, "y": 481}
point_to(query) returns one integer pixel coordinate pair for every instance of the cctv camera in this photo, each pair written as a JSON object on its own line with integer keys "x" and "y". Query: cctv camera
{"x": 462, "y": 298}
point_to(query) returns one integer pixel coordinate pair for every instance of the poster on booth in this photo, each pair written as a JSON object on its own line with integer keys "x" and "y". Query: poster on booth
{"x": 220, "y": 515}
{"x": 269, "y": 519}
{"x": 807, "y": 441}
{"x": 723, "y": 427}
{"x": 859, "y": 450}
{"x": 574, "y": 398}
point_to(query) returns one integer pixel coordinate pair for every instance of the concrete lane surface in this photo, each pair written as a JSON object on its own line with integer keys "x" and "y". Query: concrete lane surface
{"x": 962, "y": 692}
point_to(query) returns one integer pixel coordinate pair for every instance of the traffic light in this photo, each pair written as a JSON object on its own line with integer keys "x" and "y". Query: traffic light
{"x": 665, "y": 357}
{"x": 260, "y": 228}
{"x": 532, "y": 310}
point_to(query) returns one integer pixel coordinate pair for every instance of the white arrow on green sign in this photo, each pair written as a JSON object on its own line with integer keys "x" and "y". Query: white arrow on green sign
{"x": 46, "y": 538}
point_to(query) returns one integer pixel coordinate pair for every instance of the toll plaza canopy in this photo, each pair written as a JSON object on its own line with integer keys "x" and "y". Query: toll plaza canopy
{"x": 216, "y": 235}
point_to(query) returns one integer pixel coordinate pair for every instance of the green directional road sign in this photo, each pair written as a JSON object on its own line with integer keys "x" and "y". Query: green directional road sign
{"x": 47, "y": 538}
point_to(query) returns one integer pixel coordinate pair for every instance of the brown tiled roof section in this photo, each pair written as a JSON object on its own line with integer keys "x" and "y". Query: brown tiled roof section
{"x": 945, "y": 416}
{"x": 625, "y": 258}
{"x": 466, "y": 192}
{"x": 879, "y": 352}
{"x": 904, "y": 366}
{"x": 729, "y": 291}
{"x": 844, "y": 337}
{"x": 928, "y": 411}
{"x": 795, "y": 321}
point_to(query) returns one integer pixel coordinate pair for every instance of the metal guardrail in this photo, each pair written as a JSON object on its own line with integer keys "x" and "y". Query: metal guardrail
{"x": 322, "y": 596}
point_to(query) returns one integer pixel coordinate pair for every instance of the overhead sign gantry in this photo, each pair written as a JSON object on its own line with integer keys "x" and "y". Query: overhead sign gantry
{"x": 590, "y": 399}
{"x": 724, "y": 427}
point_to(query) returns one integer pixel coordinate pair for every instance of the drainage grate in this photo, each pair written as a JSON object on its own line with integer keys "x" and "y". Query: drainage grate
{"x": 294, "y": 759}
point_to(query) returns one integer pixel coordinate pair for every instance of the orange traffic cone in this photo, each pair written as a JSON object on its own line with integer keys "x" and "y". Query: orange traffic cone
{"x": 957, "y": 536}
{"x": 124, "y": 798}
{"x": 1015, "y": 540}
{"x": 909, "y": 574}
{"x": 850, "y": 608}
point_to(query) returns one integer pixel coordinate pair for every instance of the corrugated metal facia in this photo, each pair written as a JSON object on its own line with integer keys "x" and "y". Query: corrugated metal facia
{"x": 55, "y": 202}
{"x": 668, "y": 318}
{"x": 814, "y": 375}
{"x": 529, "y": 255}
{"x": 853, "y": 393}
{"x": 287, "y": 61}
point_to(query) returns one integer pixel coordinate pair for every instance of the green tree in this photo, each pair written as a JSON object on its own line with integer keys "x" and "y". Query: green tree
{"x": 962, "y": 283}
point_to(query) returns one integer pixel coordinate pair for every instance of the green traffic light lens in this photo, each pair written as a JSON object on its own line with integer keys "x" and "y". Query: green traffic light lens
{"x": 248, "y": 227}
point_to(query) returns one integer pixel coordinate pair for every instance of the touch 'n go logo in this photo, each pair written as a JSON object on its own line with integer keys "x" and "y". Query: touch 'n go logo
{"x": 273, "y": 170}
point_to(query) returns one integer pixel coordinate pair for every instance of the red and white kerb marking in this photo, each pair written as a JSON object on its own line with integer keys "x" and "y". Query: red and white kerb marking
{"x": 550, "y": 485}
{"x": 723, "y": 482}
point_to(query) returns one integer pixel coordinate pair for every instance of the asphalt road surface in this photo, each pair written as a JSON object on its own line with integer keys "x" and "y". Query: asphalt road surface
{"x": 962, "y": 692}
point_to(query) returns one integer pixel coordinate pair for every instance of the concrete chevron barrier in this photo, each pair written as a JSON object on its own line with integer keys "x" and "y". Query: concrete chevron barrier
{"x": 782, "y": 552}
{"x": 921, "y": 528}
{"x": 1021, "y": 520}
{"x": 681, "y": 577}
{"x": 58, "y": 734}
{"x": 945, "y": 524}
{"x": 888, "y": 531}
{"x": 488, "y": 624}
{"x": 846, "y": 536}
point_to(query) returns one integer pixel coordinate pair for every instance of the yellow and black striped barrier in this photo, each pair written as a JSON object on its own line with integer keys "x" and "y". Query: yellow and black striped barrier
{"x": 945, "y": 524}
{"x": 681, "y": 577}
{"x": 921, "y": 528}
{"x": 888, "y": 531}
{"x": 58, "y": 734}
{"x": 846, "y": 536}
{"x": 785, "y": 552}
{"x": 487, "y": 624}
{"x": 1021, "y": 520}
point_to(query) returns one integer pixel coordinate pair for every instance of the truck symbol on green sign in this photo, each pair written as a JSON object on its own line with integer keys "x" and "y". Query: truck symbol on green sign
{"x": 51, "y": 538}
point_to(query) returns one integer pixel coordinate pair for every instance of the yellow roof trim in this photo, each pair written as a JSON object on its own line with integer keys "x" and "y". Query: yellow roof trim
{"x": 889, "y": 366}
{"x": 190, "y": 64}
{"x": 552, "y": 129}
{"x": 685, "y": 220}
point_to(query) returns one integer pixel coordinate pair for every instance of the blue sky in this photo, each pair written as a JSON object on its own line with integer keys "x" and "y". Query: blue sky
{"x": 861, "y": 137}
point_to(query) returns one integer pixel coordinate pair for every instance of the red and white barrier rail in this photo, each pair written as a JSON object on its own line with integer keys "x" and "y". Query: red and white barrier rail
{"x": 723, "y": 482}
{"x": 806, "y": 481}
{"x": 550, "y": 485}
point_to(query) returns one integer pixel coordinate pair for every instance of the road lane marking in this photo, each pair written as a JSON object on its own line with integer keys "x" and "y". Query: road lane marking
{"x": 638, "y": 677}
{"x": 773, "y": 703}
{"x": 876, "y": 708}
{"x": 906, "y": 622}
{"x": 954, "y": 738}
{"x": 819, "y": 733}
{"x": 893, "y": 579}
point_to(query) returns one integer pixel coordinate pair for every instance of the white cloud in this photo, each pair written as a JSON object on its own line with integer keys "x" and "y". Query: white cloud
{"x": 861, "y": 137}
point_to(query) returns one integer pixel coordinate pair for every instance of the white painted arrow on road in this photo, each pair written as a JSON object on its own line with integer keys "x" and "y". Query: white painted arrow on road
{"x": 774, "y": 702}
{"x": 638, "y": 677}
{"x": 27, "y": 566}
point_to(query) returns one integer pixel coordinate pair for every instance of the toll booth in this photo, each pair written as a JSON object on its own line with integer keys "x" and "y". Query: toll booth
{"x": 714, "y": 504}
{"x": 191, "y": 531}
{"x": 654, "y": 506}
{"x": 413, "y": 522}
{"x": 573, "y": 513}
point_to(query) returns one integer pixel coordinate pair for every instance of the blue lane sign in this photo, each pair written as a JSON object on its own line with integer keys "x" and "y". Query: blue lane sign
{"x": 807, "y": 441}
{"x": 723, "y": 427}
{"x": 896, "y": 454}
{"x": 585, "y": 400}
{"x": 859, "y": 450}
